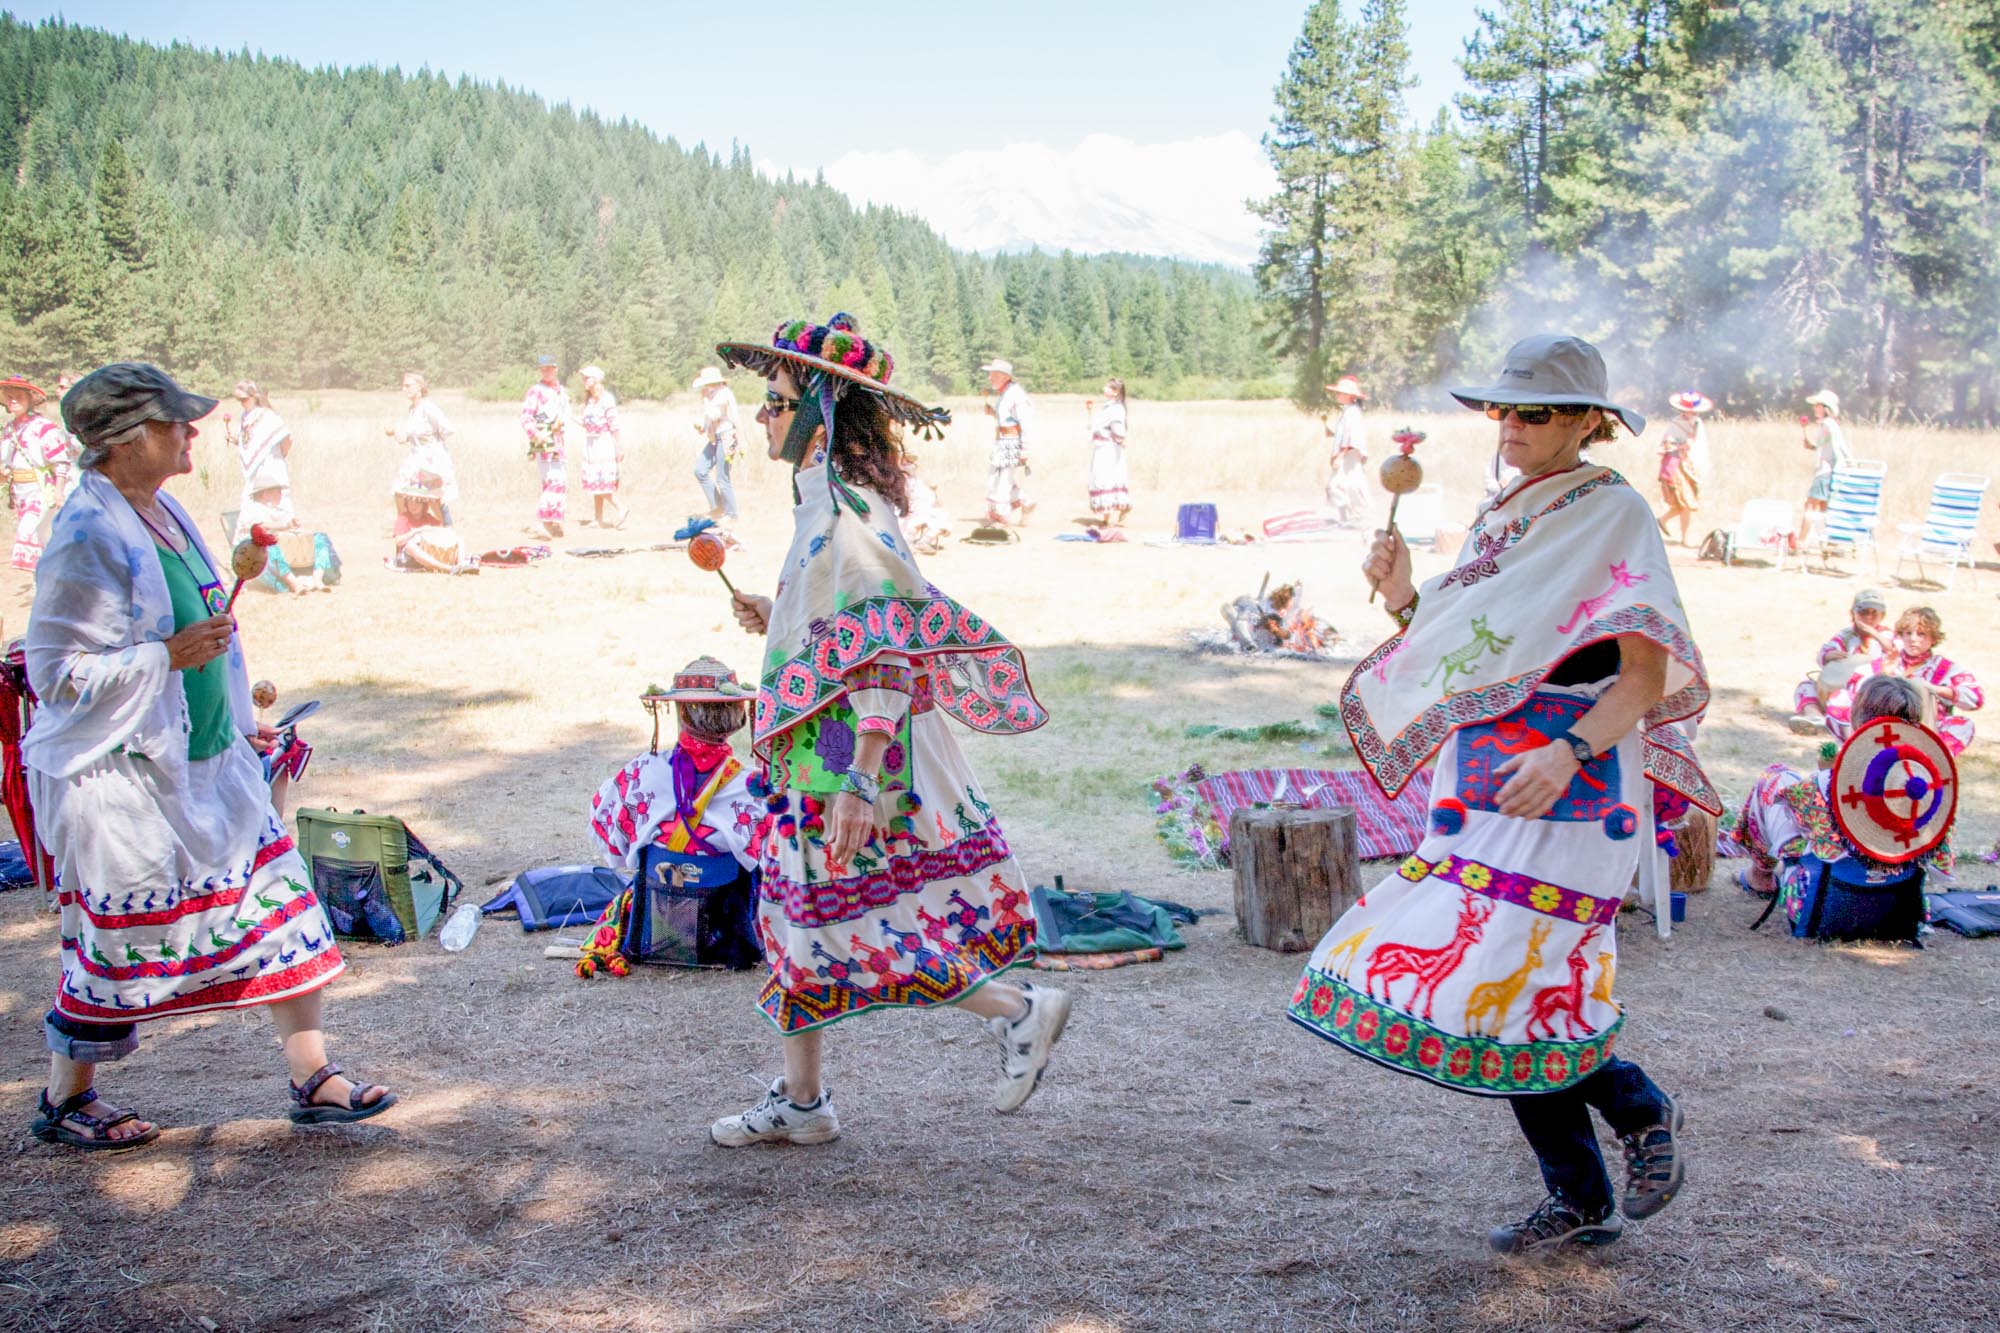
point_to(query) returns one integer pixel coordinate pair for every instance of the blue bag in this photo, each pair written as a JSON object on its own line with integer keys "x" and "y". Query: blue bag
{"x": 693, "y": 911}
{"x": 550, "y": 897}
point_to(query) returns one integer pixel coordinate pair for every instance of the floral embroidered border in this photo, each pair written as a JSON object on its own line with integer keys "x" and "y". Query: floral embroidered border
{"x": 817, "y": 903}
{"x": 1520, "y": 890}
{"x": 1328, "y": 1007}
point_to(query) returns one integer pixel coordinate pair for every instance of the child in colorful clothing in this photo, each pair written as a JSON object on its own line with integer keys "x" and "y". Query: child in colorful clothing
{"x": 1786, "y": 822}
{"x": 1863, "y": 639}
{"x": 1953, "y": 690}
{"x": 887, "y": 880}
{"x": 545, "y": 419}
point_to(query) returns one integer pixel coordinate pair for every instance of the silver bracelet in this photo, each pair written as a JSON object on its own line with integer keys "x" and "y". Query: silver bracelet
{"x": 856, "y": 783}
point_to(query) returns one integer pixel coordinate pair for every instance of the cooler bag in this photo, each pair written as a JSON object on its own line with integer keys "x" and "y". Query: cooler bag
{"x": 1845, "y": 901}
{"x": 692, "y": 911}
{"x": 373, "y": 875}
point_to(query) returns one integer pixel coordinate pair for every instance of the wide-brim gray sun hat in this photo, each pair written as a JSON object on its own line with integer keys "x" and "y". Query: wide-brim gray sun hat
{"x": 119, "y": 396}
{"x": 1555, "y": 370}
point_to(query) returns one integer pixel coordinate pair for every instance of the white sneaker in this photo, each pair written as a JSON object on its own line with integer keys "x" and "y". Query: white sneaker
{"x": 779, "y": 1119}
{"x": 1026, "y": 1043}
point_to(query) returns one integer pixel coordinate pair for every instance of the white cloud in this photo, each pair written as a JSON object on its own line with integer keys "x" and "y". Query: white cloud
{"x": 1183, "y": 199}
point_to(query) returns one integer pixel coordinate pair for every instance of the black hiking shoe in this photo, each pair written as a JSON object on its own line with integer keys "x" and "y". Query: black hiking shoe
{"x": 1654, "y": 1167}
{"x": 1553, "y": 1226}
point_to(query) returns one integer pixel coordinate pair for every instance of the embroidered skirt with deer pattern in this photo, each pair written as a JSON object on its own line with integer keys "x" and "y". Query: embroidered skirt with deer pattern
{"x": 1485, "y": 961}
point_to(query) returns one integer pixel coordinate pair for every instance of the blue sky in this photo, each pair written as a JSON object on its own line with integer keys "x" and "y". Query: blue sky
{"x": 1039, "y": 98}
{"x": 927, "y": 77}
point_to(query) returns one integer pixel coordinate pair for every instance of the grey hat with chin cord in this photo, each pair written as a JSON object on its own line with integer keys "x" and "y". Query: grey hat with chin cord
{"x": 119, "y": 396}
{"x": 1554, "y": 370}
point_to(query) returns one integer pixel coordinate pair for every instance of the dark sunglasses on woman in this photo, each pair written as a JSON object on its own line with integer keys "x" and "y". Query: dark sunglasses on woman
{"x": 1533, "y": 416}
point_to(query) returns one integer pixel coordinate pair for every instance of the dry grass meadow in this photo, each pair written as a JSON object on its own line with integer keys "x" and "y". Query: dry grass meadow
{"x": 1193, "y": 1162}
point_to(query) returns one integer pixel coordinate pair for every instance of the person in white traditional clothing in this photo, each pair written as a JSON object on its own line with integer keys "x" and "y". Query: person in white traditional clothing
{"x": 1684, "y": 461}
{"x": 1006, "y": 499}
{"x": 928, "y": 523}
{"x": 545, "y": 420}
{"x": 264, "y": 446}
{"x": 887, "y": 879}
{"x": 181, "y": 892}
{"x": 1543, "y": 673}
{"x": 715, "y": 422}
{"x": 697, "y": 805}
{"x": 36, "y": 455}
{"x": 1110, "y": 485}
{"x": 1822, "y": 434}
{"x": 603, "y": 448}
{"x": 1347, "y": 437}
{"x": 426, "y": 471}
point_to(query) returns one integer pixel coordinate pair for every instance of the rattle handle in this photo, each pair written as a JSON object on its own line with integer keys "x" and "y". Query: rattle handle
{"x": 726, "y": 583}
{"x": 1375, "y": 585}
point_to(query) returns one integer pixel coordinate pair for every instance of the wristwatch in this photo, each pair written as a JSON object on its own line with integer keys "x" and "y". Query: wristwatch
{"x": 1578, "y": 746}
{"x": 856, "y": 783}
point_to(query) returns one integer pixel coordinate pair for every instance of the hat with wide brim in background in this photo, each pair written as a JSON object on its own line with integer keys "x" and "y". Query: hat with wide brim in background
{"x": 591, "y": 373}
{"x": 710, "y": 375}
{"x": 1346, "y": 384}
{"x": 36, "y": 394}
{"x": 1894, "y": 790}
{"x": 838, "y": 351}
{"x": 999, "y": 366}
{"x": 1827, "y": 399}
{"x": 705, "y": 681}
{"x": 1553, "y": 370}
{"x": 1692, "y": 403}
{"x": 117, "y": 397}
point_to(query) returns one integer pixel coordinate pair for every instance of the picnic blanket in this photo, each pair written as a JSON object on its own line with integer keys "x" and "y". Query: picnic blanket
{"x": 1193, "y": 808}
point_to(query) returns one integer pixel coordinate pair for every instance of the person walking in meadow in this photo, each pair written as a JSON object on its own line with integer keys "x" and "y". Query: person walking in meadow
{"x": 1006, "y": 499}
{"x": 603, "y": 448}
{"x": 36, "y": 454}
{"x": 715, "y": 422}
{"x": 1110, "y": 487}
{"x": 426, "y": 470}
{"x": 545, "y": 418}
{"x": 1822, "y": 434}
{"x": 1683, "y": 461}
{"x": 180, "y": 890}
{"x": 1543, "y": 673}
{"x": 887, "y": 879}
{"x": 1347, "y": 437}
{"x": 264, "y": 446}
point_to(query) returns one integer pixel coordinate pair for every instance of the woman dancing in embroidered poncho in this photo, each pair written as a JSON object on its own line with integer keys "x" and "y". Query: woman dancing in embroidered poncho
{"x": 887, "y": 880}
{"x": 1543, "y": 673}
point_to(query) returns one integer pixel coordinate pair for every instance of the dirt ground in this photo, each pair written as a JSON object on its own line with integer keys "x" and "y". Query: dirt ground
{"x": 1192, "y": 1162}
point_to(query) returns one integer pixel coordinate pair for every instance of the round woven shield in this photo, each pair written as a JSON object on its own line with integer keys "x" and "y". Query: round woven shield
{"x": 1895, "y": 790}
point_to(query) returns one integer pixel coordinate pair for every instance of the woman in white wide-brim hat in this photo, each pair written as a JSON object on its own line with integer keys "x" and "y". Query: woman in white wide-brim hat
{"x": 1543, "y": 673}
{"x": 715, "y": 422}
{"x": 603, "y": 447}
{"x": 888, "y": 881}
{"x": 1347, "y": 438}
{"x": 1683, "y": 461}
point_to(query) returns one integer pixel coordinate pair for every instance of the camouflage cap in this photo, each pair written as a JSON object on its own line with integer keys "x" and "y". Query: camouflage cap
{"x": 119, "y": 396}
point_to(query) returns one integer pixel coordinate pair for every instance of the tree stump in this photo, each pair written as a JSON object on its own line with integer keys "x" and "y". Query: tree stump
{"x": 1296, "y": 870}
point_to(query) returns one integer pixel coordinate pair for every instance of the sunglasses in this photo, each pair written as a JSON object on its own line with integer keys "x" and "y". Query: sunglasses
{"x": 1531, "y": 416}
{"x": 777, "y": 404}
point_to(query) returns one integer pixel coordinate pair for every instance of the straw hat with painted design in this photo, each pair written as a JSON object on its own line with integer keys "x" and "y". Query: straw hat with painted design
{"x": 1346, "y": 384}
{"x": 837, "y": 350}
{"x": 704, "y": 681}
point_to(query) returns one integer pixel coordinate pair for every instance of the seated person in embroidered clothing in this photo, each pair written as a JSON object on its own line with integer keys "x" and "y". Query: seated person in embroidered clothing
{"x": 1864, "y": 639}
{"x": 1952, "y": 690}
{"x": 1786, "y": 821}
{"x": 695, "y": 802}
{"x": 425, "y": 539}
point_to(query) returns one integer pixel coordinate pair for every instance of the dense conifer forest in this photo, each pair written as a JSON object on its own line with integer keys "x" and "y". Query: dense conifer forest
{"x": 229, "y": 214}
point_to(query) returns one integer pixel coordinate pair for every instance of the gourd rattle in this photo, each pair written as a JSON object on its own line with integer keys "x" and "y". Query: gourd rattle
{"x": 1401, "y": 474}
{"x": 708, "y": 552}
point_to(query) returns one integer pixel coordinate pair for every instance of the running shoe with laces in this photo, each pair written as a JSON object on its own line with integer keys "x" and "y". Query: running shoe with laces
{"x": 779, "y": 1119}
{"x": 1025, "y": 1043}
{"x": 1654, "y": 1167}
{"x": 1555, "y": 1225}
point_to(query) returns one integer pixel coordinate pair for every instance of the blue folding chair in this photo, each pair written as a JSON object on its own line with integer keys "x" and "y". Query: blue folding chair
{"x": 1945, "y": 536}
{"x": 1847, "y": 529}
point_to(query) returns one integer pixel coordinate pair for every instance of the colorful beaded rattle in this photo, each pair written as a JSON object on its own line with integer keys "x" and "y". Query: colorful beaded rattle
{"x": 1401, "y": 474}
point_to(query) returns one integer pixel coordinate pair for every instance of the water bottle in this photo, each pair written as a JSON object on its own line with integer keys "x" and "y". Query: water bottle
{"x": 458, "y": 931}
